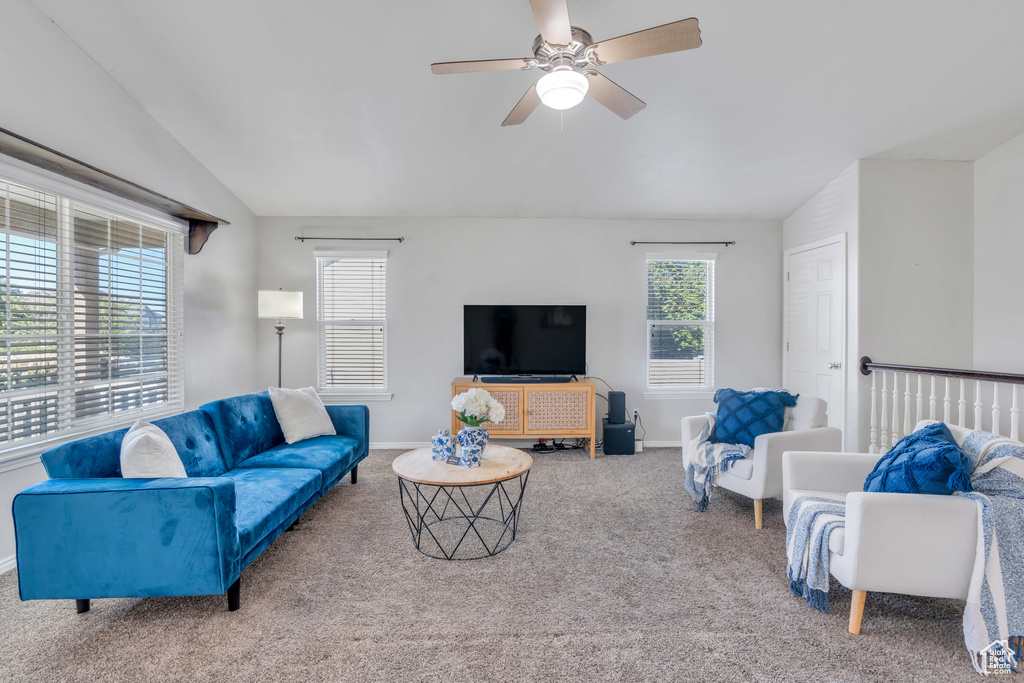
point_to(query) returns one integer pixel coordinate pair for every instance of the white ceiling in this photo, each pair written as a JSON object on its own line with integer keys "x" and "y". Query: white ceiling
{"x": 328, "y": 107}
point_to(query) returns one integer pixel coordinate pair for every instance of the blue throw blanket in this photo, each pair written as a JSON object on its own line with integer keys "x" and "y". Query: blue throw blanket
{"x": 703, "y": 460}
{"x": 994, "y": 616}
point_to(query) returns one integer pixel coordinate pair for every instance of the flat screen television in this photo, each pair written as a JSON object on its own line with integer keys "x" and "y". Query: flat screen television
{"x": 525, "y": 340}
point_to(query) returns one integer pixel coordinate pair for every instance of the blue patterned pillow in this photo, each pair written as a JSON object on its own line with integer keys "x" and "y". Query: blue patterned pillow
{"x": 926, "y": 461}
{"x": 745, "y": 415}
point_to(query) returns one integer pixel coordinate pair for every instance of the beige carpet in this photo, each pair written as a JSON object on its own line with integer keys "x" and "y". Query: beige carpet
{"x": 613, "y": 577}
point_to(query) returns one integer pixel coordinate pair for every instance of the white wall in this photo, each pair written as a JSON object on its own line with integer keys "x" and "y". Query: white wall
{"x": 56, "y": 95}
{"x": 998, "y": 250}
{"x": 447, "y": 262}
{"x": 835, "y": 210}
{"x": 909, "y": 228}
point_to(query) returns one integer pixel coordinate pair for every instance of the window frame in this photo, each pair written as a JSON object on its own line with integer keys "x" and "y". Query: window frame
{"x": 68, "y": 193}
{"x": 683, "y": 391}
{"x": 363, "y": 393}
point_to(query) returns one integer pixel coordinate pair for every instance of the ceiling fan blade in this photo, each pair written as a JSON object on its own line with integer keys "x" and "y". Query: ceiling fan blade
{"x": 524, "y": 108}
{"x": 482, "y": 65}
{"x": 553, "y": 19}
{"x": 612, "y": 95}
{"x": 679, "y": 35}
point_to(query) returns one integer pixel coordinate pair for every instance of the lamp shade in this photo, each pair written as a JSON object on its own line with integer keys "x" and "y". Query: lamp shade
{"x": 273, "y": 303}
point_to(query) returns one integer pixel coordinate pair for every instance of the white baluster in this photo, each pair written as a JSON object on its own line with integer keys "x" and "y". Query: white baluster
{"x": 895, "y": 408}
{"x": 873, "y": 446}
{"x": 995, "y": 408}
{"x": 962, "y": 404}
{"x": 947, "y": 404}
{"x": 885, "y": 418}
{"x": 931, "y": 401}
{"x": 1015, "y": 416}
{"x": 906, "y": 406}
{"x": 920, "y": 398}
{"x": 978, "y": 405}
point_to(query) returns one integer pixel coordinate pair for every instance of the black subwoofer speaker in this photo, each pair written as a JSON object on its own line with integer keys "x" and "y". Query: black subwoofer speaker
{"x": 616, "y": 407}
{"x": 619, "y": 438}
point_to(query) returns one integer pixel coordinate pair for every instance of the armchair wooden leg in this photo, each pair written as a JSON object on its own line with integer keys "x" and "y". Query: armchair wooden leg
{"x": 758, "y": 518}
{"x": 355, "y": 474}
{"x": 857, "y": 611}
{"x": 82, "y": 606}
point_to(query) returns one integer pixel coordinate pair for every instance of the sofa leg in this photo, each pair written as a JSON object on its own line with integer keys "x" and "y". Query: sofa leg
{"x": 235, "y": 595}
{"x": 354, "y": 474}
{"x": 857, "y": 611}
{"x": 82, "y": 605}
{"x": 758, "y": 518}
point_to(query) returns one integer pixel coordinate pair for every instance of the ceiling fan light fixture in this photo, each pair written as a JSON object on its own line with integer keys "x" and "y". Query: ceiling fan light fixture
{"x": 562, "y": 89}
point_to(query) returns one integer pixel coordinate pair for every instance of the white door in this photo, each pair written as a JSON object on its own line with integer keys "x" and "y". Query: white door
{"x": 815, "y": 320}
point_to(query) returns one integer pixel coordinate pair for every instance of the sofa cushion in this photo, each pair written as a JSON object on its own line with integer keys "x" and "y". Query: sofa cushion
{"x": 745, "y": 415}
{"x": 245, "y": 426}
{"x": 742, "y": 468}
{"x": 99, "y": 456}
{"x": 264, "y": 498}
{"x": 926, "y": 461}
{"x": 837, "y": 540}
{"x": 331, "y": 455}
{"x": 196, "y": 442}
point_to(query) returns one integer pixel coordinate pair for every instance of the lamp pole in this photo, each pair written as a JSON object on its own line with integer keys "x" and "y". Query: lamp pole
{"x": 280, "y": 337}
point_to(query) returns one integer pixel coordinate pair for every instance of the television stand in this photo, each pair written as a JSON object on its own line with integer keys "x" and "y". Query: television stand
{"x": 538, "y": 407}
{"x": 525, "y": 379}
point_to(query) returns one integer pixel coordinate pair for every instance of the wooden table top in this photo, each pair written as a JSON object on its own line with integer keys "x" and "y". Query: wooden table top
{"x": 498, "y": 463}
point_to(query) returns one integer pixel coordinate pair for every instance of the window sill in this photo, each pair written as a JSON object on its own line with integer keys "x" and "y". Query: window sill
{"x": 356, "y": 396}
{"x": 679, "y": 394}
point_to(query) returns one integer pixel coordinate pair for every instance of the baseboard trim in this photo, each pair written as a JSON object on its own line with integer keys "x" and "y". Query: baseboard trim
{"x": 8, "y": 563}
{"x": 392, "y": 445}
{"x": 662, "y": 444}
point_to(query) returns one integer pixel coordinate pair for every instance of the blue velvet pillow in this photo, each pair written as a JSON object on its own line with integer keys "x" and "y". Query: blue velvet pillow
{"x": 926, "y": 461}
{"x": 745, "y": 415}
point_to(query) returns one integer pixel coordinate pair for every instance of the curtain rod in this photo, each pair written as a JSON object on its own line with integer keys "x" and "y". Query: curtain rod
{"x": 299, "y": 238}
{"x": 634, "y": 242}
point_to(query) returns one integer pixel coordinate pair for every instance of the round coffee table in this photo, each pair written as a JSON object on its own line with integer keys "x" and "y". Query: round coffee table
{"x": 462, "y": 513}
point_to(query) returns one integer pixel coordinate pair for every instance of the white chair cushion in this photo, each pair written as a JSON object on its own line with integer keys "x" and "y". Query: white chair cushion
{"x": 742, "y": 469}
{"x": 301, "y": 414}
{"x": 837, "y": 541}
{"x": 810, "y": 412}
{"x": 147, "y": 453}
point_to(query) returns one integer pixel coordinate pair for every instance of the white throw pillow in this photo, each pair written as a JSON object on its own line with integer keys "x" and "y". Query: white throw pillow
{"x": 301, "y": 414}
{"x": 147, "y": 453}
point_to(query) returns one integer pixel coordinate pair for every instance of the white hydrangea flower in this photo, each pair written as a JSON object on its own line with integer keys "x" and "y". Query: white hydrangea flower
{"x": 479, "y": 405}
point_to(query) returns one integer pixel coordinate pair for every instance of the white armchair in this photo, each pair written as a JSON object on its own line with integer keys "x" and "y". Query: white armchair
{"x": 913, "y": 544}
{"x": 759, "y": 476}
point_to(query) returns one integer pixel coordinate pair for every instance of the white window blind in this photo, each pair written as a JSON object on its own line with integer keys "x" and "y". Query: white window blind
{"x": 91, "y": 315}
{"x": 680, "y": 322}
{"x": 352, "y": 317}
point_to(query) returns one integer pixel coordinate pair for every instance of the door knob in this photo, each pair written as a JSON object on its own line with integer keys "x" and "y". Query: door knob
{"x": 835, "y": 365}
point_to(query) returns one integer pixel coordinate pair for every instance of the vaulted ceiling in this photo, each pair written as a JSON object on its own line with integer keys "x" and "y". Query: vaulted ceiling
{"x": 328, "y": 107}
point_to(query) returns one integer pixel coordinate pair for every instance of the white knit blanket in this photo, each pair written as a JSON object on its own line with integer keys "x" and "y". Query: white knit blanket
{"x": 703, "y": 460}
{"x": 995, "y": 601}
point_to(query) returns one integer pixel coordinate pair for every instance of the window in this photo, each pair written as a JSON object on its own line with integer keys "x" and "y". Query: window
{"x": 680, "y": 322}
{"x": 352, "y": 317}
{"x": 91, "y": 313}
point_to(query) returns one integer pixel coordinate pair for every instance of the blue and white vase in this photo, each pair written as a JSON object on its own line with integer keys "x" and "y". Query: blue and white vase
{"x": 472, "y": 442}
{"x": 442, "y": 446}
{"x": 469, "y": 456}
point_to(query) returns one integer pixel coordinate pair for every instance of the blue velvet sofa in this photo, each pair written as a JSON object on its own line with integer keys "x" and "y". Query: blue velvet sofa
{"x": 88, "y": 533}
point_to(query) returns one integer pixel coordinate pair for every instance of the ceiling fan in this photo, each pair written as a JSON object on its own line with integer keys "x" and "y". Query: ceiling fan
{"x": 566, "y": 53}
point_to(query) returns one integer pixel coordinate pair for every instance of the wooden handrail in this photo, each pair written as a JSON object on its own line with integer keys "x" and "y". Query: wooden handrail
{"x": 867, "y": 366}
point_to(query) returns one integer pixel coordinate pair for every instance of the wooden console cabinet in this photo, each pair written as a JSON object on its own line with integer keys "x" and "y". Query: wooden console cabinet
{"x": 541, "y": 411}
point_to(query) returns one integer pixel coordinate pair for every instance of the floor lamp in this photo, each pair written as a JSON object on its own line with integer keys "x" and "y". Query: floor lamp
{"x": 280, "y": 305}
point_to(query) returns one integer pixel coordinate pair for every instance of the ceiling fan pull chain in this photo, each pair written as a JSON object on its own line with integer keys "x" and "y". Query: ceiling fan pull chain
{"x": 561, "y": 122}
